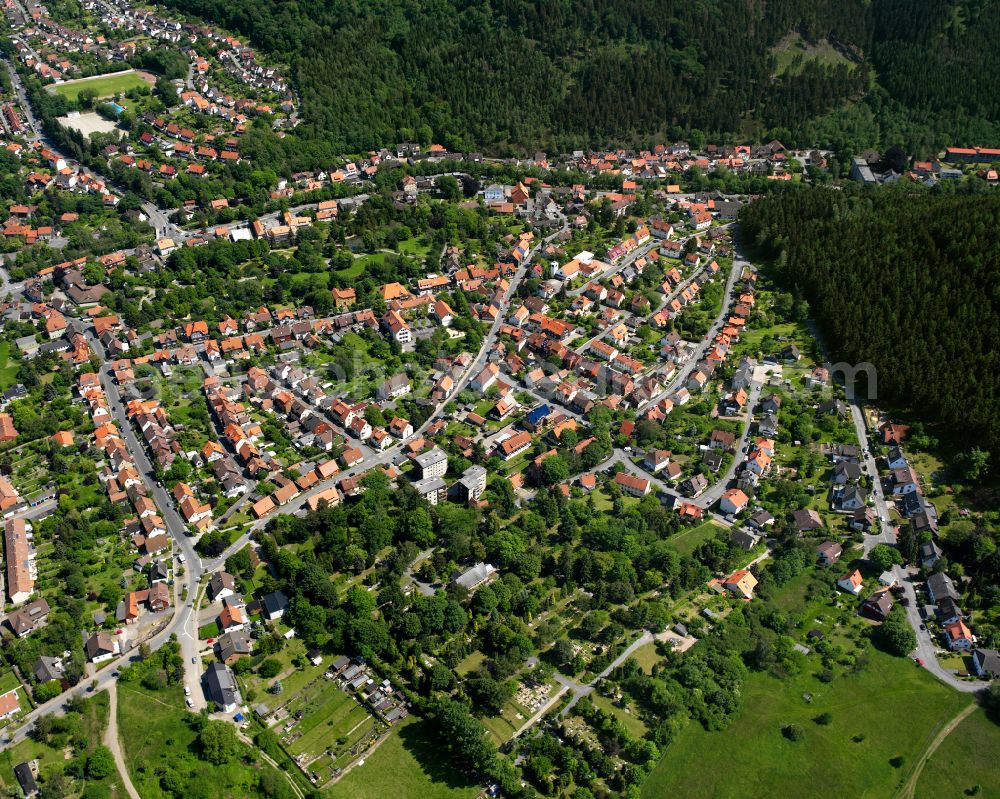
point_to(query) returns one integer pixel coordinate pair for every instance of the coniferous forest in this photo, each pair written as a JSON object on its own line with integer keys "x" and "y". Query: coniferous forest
{"x": 514, "y": 75}
{"x": 906, "y": 282}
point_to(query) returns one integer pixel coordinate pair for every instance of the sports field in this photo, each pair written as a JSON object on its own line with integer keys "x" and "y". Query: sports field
{"x": 104, "y": 85}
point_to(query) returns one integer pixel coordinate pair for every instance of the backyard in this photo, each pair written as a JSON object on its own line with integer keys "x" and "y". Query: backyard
{"x": 849, "y": 744}
{"x": 689, "y": 539}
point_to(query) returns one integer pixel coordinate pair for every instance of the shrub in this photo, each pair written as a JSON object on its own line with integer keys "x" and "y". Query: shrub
{"x": 793, "y": 732}
{"x": 100, "y": 763}
{"x": 270, "y": 668}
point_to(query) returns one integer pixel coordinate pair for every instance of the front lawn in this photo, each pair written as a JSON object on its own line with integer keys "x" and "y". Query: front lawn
{"x": 210, "y": 630}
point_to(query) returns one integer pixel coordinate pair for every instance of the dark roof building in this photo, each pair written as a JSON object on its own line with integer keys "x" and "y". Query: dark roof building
{"x": 878, "y": 606}
{"x": 221, "y": 687}
{"x": 274, "y": 605}
{"x": 48, "y": 668}
{"x": 233, "y": 646}
{"x": 22, "y": 771}
{"x": 986, "y": 663}
{"x": 939, "y": 586}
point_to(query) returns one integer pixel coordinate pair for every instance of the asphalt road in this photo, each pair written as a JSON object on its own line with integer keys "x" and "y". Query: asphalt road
{"x": 715, "y": 491}
{"x": 705, "y": 344}
{"x": 926, "y": 648}
{"x": 182, "y": 624}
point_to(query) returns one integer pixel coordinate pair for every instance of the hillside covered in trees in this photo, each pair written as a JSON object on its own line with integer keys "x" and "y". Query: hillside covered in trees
{"x": 906, "y": 282}
{"x": 519, "y": 75}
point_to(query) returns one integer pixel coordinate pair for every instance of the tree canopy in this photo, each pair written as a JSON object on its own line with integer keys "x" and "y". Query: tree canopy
{"x": 519, "y": 75}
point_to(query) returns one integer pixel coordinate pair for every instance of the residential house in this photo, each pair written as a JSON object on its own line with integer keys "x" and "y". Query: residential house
{"x": 221, "y": 687}
{"x": 849, "y": 498}
{"x": 851, "y": 582}
{"x": 828, "y": 553}
{"x": 221, "y": 585}
{"x": 959, "y": 636}
{"x": 25, "y": 620}
{"x": 394, "y": 388}
{"x": 744, "y": 539}
{"x": 274, "y": 605}
{"x": 232, "y": 646}
{"x": 740, "y": 583}
{"x": 632, "y": 485}
{"x": 733, "y": 501}
{"x": 656, "y": 460}
{"x": 806, "y": 519}
{"x": 101, "y": 647}
{"x": 986, "y": 663}
{"x": 878, "y": 606}
{"x": 939, "y": 586}
{"x": 904, "y": 481}
{"x": 930, "y": 554}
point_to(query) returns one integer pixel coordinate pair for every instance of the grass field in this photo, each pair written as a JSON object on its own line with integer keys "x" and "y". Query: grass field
{"x": 646, "y": 656}
{"x": 408, "y": 763}
{"x": 966, "y": 758}
{"x": 415, "y": 247}
{"x": 210, "y": 630}
{"x": 91, "y": 724}
{"x": 154, "y": 730}
{"x": 890, "y": 709}
{"x": 688, "y": 540}
{"x": 469, "y": 663}
{"x": 636, "y": 726}
{"x": 9, "y": 682}
{"x": 105, "y": 86}
{"x": 8, "y": 367}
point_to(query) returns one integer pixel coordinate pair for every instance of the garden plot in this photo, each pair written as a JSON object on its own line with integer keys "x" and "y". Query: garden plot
{"x": 324, "y": 729}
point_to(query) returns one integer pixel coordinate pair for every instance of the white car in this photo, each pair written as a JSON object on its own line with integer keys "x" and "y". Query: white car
{"x": 189, "y": 702}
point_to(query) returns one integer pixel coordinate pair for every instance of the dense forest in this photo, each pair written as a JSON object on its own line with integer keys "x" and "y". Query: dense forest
{"x": 906, "y": 282}
{"x": 514, "y": 74}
